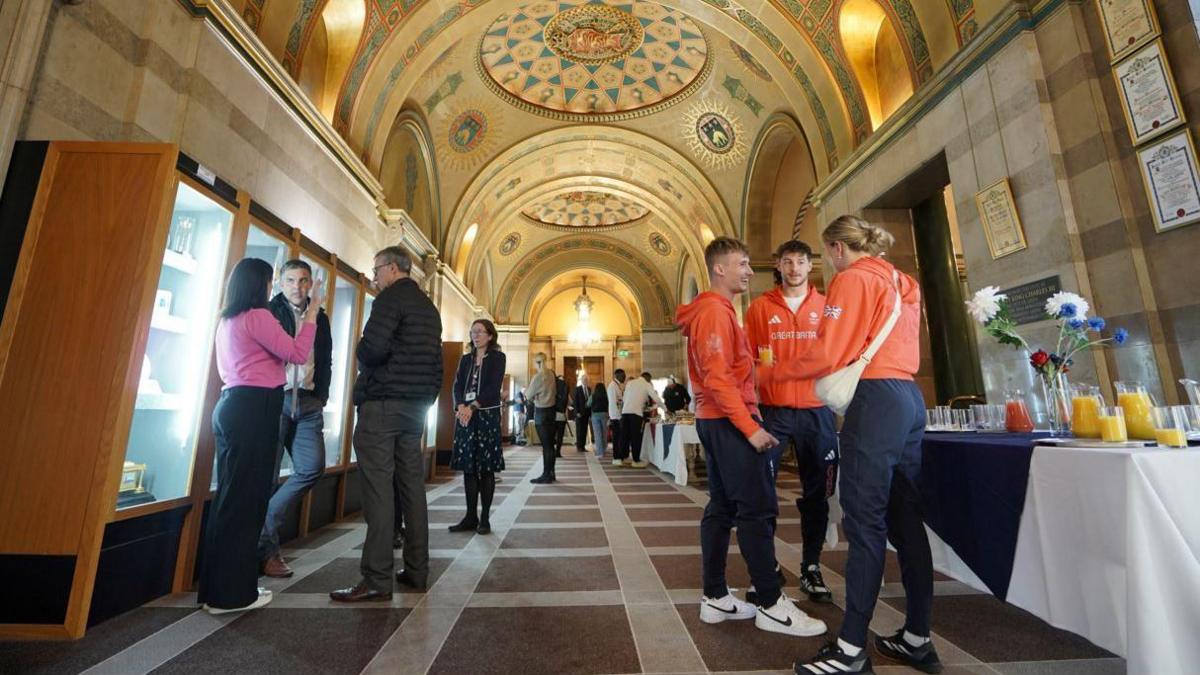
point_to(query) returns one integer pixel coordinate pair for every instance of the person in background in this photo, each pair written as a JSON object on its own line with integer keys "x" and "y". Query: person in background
{"x": 562, "y": 400}
{"x": 880, "y": 444}
{"x": 781, "y": 324}
{"x": 741, "y": 479}
{"x": 616, "y": 392}
{"x": 400, "y": 376}
{"x": 520, "y": 406}
{"x": 302, "y": 426}
{"x": 675, "y": 396}
{"x": 477, "y": 451}
{"x": 583, "y": 411}
{"x": 598, "y": 403}
{"x": 639, "y": 393}
{"x": 252, "y": 349}
{"x": 542, "y": 391}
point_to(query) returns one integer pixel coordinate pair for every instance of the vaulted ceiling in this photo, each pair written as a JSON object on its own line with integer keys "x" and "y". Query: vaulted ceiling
{"x": 515, "y": 126}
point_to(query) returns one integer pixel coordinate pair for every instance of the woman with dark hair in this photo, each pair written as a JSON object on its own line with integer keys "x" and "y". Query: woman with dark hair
{"x": 252, "y": 349}
{"x": 477, "y": 450}
{"x": 599, "y": 407}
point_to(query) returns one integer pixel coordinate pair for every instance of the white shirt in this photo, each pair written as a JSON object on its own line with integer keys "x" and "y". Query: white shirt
{"x": 638, "y": 393}
{"x": 794, "y": 303}
{"x": 614, "y": 400}
{"x": 300, "y": 375}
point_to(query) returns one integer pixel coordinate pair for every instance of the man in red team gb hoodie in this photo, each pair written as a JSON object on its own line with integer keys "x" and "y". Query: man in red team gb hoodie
{"x": 782, "y": 324}
{"x": 741, "y": 481}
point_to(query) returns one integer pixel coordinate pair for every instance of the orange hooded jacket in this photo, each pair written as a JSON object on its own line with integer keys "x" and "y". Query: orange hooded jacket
{"x": 720, "y": 364}
{"x": 771, "y": 323}
{"x": 860, "y": 299}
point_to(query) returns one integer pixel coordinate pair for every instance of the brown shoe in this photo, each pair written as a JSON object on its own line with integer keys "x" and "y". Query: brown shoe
{"x": 276, "y": 568}
{"x": 359, "y": 593}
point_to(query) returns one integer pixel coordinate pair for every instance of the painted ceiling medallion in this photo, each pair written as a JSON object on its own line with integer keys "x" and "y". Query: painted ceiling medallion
{"x": 600, "y": 60}
{"x": 468, "y": 131}
{"x": 714, "y": 134}
{"x": 510, "y": 243}
{"x": 660, "y": 244}
{"x": 585, "y": 208}
{"x": 469, "y": 136}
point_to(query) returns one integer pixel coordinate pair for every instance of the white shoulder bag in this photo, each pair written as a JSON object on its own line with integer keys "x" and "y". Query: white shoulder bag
{"x": 836, "y": 389}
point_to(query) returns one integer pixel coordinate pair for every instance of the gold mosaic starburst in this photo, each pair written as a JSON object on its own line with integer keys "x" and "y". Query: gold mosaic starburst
{"x": 467, "y": 134}
{"x": 714, "y": 134}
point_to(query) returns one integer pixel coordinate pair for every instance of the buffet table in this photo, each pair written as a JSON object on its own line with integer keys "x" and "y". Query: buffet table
{"x": 666, "y": 447}
{"x": 1103, "y": 542}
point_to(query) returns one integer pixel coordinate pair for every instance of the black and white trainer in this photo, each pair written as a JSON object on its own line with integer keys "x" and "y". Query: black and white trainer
{"x": 831, "y": 659}
{"x": 728, "y": 608}
{"x": 813, "y": 584}
{"x": 923, "y": 658}
{"x": 785, "y": 617}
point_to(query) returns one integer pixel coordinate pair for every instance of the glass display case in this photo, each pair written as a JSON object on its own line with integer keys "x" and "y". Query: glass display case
{"x": 368, "y": 301}
{"x": 175, "y": 365}
{"x": 265, "y": 246}
{"x": 345, "y": 296}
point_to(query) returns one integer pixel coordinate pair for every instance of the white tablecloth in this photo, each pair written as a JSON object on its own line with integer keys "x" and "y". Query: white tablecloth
{"x": 1109, "y": 548}
{"x": 675, "y": 461}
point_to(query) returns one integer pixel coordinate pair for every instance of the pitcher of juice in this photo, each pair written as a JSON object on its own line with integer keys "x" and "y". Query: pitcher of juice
{"x": 1138, "y": 406}
{"x": 1016, "y": 413}
{"x": 1086, "y": 402}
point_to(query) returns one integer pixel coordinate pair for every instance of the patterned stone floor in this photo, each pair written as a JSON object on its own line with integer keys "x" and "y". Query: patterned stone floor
{"x": 599, "y": 573}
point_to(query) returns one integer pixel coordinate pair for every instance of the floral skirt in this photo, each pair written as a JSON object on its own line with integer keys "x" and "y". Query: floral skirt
{"x": 477, "y": 445}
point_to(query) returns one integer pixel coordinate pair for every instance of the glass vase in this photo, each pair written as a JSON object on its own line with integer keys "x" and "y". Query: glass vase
{"x": 1056, "y": 397}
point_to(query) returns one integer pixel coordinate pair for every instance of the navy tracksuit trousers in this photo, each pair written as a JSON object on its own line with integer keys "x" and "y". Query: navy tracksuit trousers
{"x": 880, "y": 465}
{"x": 813, "y": 434}
{"x": 741, "y": 491}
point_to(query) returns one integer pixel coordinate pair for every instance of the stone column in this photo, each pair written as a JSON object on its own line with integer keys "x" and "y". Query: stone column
{"x": 22, "y": 31}
{"x": 662, "y": 352}
{"x": 514, "y": 340}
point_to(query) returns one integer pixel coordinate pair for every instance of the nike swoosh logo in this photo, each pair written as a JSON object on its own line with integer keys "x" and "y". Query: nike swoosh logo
{"x": 787, "y": 623}
{"x": 727, "y": 611}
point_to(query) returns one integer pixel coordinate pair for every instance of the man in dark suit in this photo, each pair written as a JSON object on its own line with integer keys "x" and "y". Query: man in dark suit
{"x": 583, "y": 411}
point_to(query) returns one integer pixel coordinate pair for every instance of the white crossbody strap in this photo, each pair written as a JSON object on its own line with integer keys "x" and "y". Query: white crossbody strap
{"x": 877, "y": 343}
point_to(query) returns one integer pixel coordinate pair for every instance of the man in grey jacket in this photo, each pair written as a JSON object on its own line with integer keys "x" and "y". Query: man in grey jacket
{"x": 542, "y": 391}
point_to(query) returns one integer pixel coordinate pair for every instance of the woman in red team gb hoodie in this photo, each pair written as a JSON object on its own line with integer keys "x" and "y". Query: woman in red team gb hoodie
{"x": 880, "y": 443}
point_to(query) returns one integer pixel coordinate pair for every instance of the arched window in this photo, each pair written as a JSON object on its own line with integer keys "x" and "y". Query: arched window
{"x": 873, "y": 46}
{"x": 330, "y": 49}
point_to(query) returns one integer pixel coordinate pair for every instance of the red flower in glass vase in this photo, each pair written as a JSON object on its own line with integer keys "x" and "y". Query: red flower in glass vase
{"x": 1039, "y": 359}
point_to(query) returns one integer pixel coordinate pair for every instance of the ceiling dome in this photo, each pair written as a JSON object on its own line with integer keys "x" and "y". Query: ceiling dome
{"x": 585, "y": 208}
{"x": 593, "y": 60}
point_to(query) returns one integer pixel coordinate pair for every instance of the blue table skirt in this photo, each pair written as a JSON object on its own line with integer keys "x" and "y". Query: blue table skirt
{"x": 973, "y": 489}
{"x": 667, "y": 431}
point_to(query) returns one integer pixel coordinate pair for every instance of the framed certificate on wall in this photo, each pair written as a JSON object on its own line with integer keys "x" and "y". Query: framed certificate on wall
{"x": 1148, "y": 95}
{"x": 1128, "y": 24}
{"x": 998, "y": 215}
{"x": 1172, "y": 180}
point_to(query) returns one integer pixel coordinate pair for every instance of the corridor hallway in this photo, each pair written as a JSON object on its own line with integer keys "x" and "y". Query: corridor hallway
{"x": 597, "y": 573}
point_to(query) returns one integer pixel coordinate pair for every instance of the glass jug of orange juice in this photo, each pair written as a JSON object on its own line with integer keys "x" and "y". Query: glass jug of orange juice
{"x": 1086, "y": 402}
{"x": 1016, "y": 413}
{"x": 1138, "y": 406}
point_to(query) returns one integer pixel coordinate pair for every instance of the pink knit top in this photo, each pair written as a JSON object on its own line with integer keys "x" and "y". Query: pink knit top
{"x": 252, "y": 349}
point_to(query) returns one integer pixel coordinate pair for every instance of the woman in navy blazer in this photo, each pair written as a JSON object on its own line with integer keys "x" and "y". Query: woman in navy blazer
{"x": 477, "y": 435}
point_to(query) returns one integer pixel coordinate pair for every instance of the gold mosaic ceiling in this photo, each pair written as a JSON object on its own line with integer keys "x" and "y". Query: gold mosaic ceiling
{"x": 579, "y": 59}
{"x": 585, "y": 208}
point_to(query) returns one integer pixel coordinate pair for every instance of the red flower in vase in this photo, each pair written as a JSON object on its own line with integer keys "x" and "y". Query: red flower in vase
{"x": 1039, "y": 359}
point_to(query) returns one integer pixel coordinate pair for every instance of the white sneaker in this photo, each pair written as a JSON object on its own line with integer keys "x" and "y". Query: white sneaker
{"x": 616, "y": 462}
{"x": 640, "y": 465}
{"x": 264, "y": 598}
{"x": 785, "y": 617}
{"x": 727, "y": 608}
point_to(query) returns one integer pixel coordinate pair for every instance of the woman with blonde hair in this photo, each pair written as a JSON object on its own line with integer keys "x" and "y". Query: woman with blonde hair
{"x": 880, "y": 442}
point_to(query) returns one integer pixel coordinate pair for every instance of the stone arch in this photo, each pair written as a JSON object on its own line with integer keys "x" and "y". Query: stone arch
{"x": 779, "y": 184}
{"x": 409, "y": 174}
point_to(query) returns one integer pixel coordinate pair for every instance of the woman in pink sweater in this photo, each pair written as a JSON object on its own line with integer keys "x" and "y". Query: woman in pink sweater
{"x": 252, "y": 349}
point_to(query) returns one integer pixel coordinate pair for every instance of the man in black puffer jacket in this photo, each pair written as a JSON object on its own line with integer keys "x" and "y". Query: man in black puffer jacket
{"x": 400, "y": 375}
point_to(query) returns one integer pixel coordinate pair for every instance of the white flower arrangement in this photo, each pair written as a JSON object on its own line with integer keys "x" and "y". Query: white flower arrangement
{"x": 986, "y": 304}
{"x": 1056, "y": 302}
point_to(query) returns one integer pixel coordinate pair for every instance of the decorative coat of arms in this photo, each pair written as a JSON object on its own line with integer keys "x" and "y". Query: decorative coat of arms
{"x": 593, "y": 34}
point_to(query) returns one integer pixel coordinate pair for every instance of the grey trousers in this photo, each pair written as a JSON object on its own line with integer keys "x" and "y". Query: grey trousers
{"x": 303, "y": 437}
{"x": 387, "y": 439}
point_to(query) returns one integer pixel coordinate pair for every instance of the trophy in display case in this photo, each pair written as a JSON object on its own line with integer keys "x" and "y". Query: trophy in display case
{"x": 179, "y": 239}
{"x": 132, "y": 491}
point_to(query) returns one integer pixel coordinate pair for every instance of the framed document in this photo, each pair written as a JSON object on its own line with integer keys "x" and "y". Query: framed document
{"x": 1001, "y": 223}
{"x": 1148, "y": 95}
{"x": 1172, "y": 180}
{"x": 1127, "y": 25}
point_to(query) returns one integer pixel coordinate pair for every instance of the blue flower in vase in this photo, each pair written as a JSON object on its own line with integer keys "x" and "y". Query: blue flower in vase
{"x": 1120, "y": 336}
{"x": 1096, "y": 323}
{"x": 1077, "y": 324}
{"x": 1067, "y": 311}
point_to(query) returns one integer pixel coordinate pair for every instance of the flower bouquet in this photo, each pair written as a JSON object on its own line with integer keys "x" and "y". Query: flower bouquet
{"x": 1076, "y": 333}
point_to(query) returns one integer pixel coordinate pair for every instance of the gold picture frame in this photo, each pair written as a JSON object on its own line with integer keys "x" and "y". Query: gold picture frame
{"x": 1000, "y": 220}
{"x": 1127, "y": 25}
{"x": 1171, "y": 176}
{"x": 1146, "y": 74}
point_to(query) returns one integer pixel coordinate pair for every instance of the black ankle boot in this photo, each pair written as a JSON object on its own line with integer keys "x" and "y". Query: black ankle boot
{"x": 484, "y": 527}
{"x": 465, "y": 525}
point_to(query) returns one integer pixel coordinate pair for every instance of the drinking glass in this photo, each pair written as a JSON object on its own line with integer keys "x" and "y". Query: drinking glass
{"x": 1112, "y": 424}
{"x": 1170, "y": 426}
{"x": 963, "y": 420}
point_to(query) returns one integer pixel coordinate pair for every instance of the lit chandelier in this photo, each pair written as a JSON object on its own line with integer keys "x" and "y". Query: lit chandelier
{"x": 583, "y": 333}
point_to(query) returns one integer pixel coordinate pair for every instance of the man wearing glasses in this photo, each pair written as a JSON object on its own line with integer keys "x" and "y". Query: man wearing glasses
{"x": 400, "y": 375}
